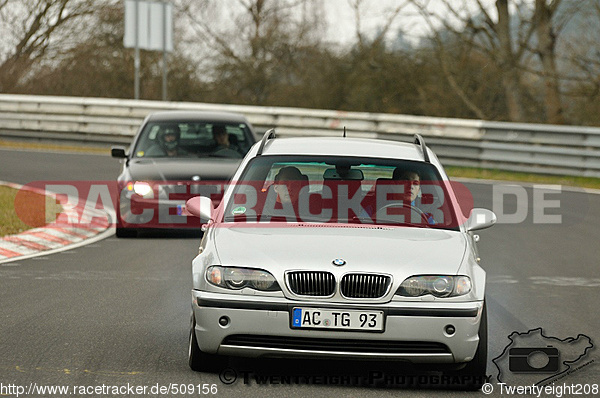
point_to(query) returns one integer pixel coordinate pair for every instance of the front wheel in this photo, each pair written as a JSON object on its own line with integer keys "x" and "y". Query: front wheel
{"x": 126, "y": 232}
{"x": 474, "y": 372}
{"x": 121, "y": 231}
{"x": 200, "y": 361}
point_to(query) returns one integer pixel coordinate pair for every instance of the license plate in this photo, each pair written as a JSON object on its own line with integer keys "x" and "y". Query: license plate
{"x": 318, "y": 318}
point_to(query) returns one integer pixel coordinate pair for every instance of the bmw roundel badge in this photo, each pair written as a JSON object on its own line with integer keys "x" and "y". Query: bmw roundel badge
{"x": 338, "y": 262}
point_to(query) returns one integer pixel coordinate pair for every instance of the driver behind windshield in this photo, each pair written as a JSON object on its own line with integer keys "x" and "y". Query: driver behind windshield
{"x": 403, "y": 176}
{"x": 411, "y": 177}
{"x": 168, "y": 143}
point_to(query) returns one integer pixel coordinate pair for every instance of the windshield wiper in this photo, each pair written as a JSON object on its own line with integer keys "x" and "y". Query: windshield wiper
{"x": 381, "y": 222}
{"x": 274, "y": 218}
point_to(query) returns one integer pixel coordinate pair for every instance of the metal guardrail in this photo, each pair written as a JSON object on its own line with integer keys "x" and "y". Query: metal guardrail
{"x": 531, "y": 148}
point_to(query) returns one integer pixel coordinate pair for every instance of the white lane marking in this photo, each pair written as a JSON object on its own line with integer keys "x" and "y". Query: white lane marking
{"x": 573, "y": 281}
{"x": 565, "y": 281}
{"x": 502, "y": 279}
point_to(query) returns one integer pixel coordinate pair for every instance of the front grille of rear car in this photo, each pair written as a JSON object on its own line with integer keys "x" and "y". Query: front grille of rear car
{"x": 311, "y": 283}
{"x": 364, "y": 285}
{"x": 345, "y": 345}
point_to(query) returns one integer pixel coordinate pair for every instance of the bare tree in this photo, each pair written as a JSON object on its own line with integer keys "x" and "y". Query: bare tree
{"x": 493, "y": 38}
{"x": 443, "y": 56}
{"x": 358, "y": 8}
{"x": 31, "y": 27}
{"x": 580, "y": 60}
{"x": 100, "y": 67}
{"x": 508, "y": 48}
{"x": 546, "y": 50}
{"x": 254, "y": 45}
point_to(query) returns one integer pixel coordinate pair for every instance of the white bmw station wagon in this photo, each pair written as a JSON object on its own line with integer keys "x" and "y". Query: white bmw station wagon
{"x": 340, "y": 248}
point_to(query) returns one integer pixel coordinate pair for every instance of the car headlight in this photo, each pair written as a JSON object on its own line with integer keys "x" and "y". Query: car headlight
{"x": 140, "y": 187}
{"x": 436, "y": 285}
{"x": 238, "y": 278}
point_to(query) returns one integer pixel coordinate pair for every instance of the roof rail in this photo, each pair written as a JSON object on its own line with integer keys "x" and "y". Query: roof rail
{"x": 268, "y": 135}
{"x": 418, "y": 140}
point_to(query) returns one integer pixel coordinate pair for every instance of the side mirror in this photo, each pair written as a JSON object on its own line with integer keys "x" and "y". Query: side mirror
{"x": 480, "y": 219}
{"x": 118, "y": 152}
{"x": 200, "y": 206}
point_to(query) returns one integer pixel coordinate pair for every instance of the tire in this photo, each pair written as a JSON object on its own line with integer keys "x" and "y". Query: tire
{"x": 474, "y": 372}
{"x": 126, "y": 232}
{"x": 121, "y": 231}
{"x": 200, "y": 361}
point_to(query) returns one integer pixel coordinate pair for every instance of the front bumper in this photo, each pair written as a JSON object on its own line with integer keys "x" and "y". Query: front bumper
{"x": 141, "y": 213}
{"x": 260, "y": 327}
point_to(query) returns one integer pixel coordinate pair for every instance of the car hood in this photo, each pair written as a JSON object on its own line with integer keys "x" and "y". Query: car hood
{"x": 400, "y": 251}
{"x": 164, "y": 169}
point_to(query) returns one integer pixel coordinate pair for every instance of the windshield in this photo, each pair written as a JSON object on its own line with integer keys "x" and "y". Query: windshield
{"x": 353, "y": 190}
{"x": 193, "y": 139}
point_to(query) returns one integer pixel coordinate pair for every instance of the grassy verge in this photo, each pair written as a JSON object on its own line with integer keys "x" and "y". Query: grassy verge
{"x": 23, "y": 210}
{"x": 52, "y": 147}
{"x": 490, "y": 174}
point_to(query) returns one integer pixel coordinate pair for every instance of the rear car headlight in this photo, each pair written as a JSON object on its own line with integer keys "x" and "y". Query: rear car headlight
{"x": 436, "y": 285}
{"x": 238, "y": 278}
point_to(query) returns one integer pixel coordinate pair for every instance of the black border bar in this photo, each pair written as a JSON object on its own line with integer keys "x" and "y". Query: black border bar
{"x": 390, "y": 311}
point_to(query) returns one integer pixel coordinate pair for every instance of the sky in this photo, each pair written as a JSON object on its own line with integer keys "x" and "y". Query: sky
{"x": 341, "y": 18}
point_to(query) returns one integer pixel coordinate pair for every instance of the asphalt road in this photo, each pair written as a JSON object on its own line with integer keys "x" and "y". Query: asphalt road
{"x": 116, "y": 313}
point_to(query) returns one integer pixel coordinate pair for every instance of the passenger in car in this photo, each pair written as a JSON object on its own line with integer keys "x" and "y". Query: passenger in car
{"x": 282, "y": 200}
{"x": 224, "y": 147}
{"x": 287, "y": 183}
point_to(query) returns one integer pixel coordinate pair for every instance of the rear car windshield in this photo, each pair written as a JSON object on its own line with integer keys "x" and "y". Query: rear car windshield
{"x": 194, "y": 139}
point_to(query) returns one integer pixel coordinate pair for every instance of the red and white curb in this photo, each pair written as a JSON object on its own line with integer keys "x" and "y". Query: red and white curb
{"x": 55, "y": 238}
